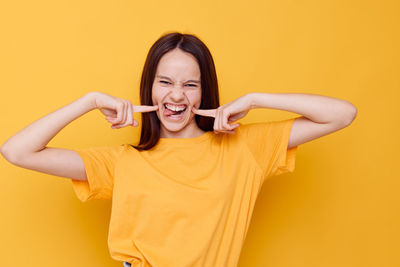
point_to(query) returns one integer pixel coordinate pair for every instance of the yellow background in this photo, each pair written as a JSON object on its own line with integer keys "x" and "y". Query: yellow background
{"x": 340, "y": 208}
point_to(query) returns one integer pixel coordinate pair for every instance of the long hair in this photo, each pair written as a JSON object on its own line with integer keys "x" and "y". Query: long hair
{"x": 150, "y": 133}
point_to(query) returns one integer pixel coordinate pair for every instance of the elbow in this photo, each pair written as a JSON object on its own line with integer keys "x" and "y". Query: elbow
{"x": 349, "y": 114}
{"x": 3, "y": 151}
{"x": 6, "y": 153}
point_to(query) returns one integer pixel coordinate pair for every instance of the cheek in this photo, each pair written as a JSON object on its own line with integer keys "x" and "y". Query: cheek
{"x": 194, "y": 98}
{"x": 156, "y": 95}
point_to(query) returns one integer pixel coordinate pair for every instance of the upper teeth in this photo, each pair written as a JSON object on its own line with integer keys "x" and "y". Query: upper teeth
{"x": 174, "y": 107}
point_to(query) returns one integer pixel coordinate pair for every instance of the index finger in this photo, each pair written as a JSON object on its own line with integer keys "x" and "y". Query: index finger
{"x": 144, "y": 108}
{"x": 205, "y": 112}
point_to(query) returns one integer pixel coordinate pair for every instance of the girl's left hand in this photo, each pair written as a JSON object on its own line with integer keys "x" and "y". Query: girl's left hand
{"x": 226, "y": 114}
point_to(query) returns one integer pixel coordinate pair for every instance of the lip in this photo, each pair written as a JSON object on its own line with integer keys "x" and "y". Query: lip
{"x": 175, "y": 104}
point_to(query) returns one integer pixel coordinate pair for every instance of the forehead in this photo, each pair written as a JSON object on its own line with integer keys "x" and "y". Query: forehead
{"x": 178, "y": 65}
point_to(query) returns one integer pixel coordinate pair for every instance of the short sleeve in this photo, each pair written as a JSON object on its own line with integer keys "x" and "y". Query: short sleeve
{"x": 99, "y": 166}
{"x": 267, "y": 142}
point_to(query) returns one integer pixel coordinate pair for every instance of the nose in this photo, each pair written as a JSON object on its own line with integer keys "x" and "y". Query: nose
{"x": 177, "y": 94}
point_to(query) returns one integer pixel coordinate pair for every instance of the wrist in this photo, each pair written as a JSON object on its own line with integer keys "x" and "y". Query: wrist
{"x": 90, "y": 100}
{"x": 252, "y": 100}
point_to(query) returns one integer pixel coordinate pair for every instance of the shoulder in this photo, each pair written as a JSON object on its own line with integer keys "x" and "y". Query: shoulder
{"x": 106, "y": 151}
{"x": 261, "y": 130}
{"x": 248, "y": 128}
{"x": 256, "y": 126}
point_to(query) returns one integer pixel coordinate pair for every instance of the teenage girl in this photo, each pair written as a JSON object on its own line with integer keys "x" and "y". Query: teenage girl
{"x": 184, "y": 195}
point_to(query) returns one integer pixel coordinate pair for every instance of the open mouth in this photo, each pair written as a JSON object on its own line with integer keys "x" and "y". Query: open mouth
{"x": 174, "y": 111}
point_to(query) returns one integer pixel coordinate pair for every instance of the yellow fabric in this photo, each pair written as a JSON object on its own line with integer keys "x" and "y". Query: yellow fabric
{"x": 186, "y": 202}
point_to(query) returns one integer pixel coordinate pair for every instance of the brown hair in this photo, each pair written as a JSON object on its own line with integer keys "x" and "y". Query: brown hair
{"x": 150, "y": 133}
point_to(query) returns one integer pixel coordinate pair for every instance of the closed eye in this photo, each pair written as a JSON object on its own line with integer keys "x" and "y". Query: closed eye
{"x": 191, "y": 84}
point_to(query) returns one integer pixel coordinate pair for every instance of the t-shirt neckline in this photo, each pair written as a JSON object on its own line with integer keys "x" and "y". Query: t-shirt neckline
{"x": 189, "y": 140}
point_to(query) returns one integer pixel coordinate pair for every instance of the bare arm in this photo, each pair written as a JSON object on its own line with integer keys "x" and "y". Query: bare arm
{"x": 322, "y": 115}
{"x": 27, "y": 148}
{"x": 316, "y": 108}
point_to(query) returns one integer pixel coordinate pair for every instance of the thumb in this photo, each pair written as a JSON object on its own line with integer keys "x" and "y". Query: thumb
{"x": 204, "y": 112}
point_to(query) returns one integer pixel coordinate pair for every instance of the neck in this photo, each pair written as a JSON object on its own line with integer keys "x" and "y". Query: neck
{"x": 189, "y": 131}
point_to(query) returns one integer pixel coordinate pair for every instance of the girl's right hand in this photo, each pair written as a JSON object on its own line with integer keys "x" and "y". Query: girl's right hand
{"x": 118, "y": 111}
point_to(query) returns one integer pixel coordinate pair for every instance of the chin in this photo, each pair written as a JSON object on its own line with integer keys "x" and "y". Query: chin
{"x": 175, "y": 126}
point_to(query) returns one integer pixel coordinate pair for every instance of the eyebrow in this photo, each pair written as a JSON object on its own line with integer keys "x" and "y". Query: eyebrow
{"x": 165, "y": 77}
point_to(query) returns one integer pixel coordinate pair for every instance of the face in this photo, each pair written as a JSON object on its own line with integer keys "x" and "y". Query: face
{"x": 176, "y": 89}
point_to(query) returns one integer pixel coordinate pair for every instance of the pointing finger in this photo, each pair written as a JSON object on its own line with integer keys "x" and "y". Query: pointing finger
{"x": 144, "y": 108}
{"x": 205, "y": 112}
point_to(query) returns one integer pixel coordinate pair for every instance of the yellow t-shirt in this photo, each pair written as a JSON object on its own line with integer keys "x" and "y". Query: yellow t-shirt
{"x": 187, "y": 202}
